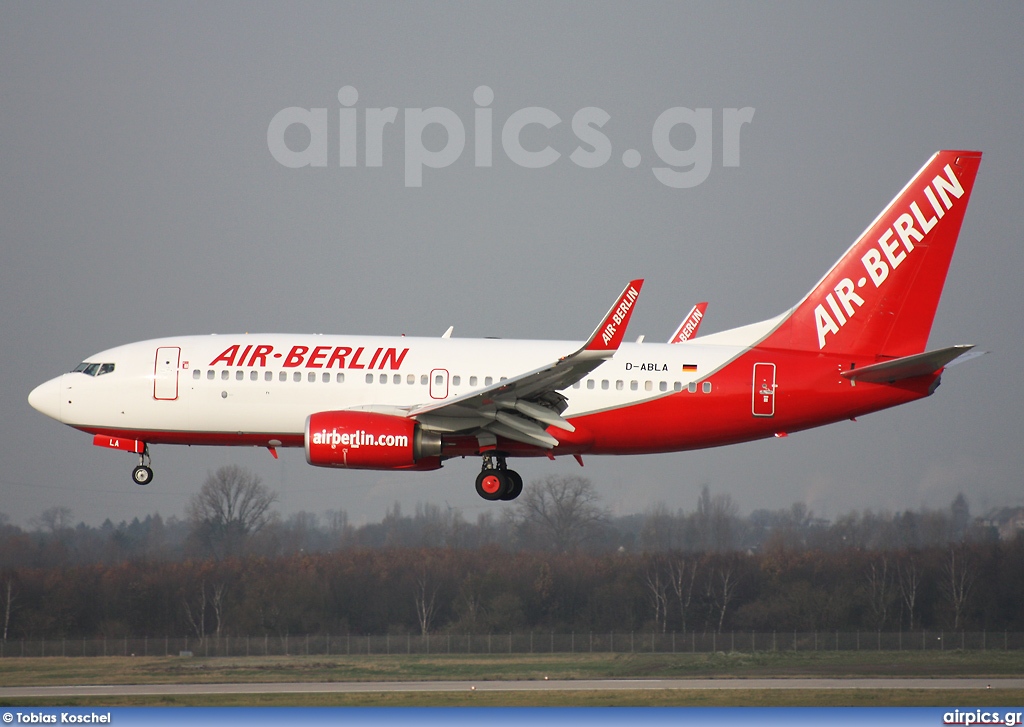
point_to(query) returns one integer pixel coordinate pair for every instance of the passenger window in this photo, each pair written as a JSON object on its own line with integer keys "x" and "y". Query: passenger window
{"x": 369, "y": 378}
{"x": 488, "y": 381}
{"x": 297, "y": 377}
{"x": 225, "y": 375}
{"x": 283, "y": 376}
{"x": 423, "y": 380}
{"x": 254, "y": 375}
{"x": 268, "y": 375}
{"x": 618, "y": 385}
{"x": 677, "y": 386}
{"x": 311, "y": 376}
{"x": 706, "y": 386}
{"x": 472, "y": 381}
{"x": 410, "y": 379}
{"x": 211, "y": 374}
{"x": 692, "y": 387}
{"x": 456, "y": 380}
{"x": 634, "y": 385}
{"x": 383, "y": 378}
{"x": 340, "y": 378}
{"x": 590, "y": 383}
{"x": 325, "y": 377}
{"x": 576, "y": 385}
{"x": 239, "y": 375}
{"x": 196, "y": 374}
{"x": 662, "y": 386}
{"x": 397, "y": 379}
{"x": 648, "y": 386}
{"x": 439, "y": 379}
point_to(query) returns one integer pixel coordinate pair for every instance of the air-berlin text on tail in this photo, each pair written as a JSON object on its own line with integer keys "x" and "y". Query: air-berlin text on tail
{"x": 894, "y": 245}
{"x": 620, "y": 314}
{"x": 319, "y": 357}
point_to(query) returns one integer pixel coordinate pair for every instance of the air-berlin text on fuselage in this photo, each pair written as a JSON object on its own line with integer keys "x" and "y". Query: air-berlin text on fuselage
{"x": 317, "y": 357}
{"x": 620, "y": 314}
{"x": 889, "y": 254}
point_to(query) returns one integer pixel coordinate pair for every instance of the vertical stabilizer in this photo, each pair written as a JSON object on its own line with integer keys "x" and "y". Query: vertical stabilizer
{"x": 880, "y": 298}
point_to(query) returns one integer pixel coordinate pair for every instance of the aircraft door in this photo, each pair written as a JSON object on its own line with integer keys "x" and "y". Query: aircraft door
{"x": 439, "y": 384}
{"x": 165, "y": 373}
{"x": 764, "y": 390}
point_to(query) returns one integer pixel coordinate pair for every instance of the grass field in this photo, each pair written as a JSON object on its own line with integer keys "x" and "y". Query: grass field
{"x": 480, "y": 668}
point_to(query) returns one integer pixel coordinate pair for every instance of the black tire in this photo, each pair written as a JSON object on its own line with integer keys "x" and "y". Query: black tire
{"x": 142, "y": 475}
{"x": 491, "y": 484}
{"x": 515, "y": 485}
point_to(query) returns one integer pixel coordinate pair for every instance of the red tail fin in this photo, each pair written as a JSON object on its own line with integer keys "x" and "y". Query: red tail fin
{"x": 880, "y": 298}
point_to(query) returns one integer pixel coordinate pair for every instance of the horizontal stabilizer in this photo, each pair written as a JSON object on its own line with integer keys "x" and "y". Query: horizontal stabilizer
{"x": 907, "y": 367}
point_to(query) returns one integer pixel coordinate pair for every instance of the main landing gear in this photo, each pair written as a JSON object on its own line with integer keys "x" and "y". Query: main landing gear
{"x": 496, "y": 481}
{"x": 143, "y": 474}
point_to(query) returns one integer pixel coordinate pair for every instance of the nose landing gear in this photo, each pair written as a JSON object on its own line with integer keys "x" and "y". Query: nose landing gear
{"x": 143, "y": 474}
{"x": 496, "y": 481}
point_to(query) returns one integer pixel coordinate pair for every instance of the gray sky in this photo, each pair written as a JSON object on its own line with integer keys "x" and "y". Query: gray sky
{"x": 139, "y": 198}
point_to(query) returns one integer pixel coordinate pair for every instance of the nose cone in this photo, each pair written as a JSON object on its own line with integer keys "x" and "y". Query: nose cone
{"x": 46, "y": 397}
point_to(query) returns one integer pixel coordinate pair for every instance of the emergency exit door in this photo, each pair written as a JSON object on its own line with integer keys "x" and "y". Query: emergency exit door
{"x": 764, "y": 390}
{"x": 165, "y": 373}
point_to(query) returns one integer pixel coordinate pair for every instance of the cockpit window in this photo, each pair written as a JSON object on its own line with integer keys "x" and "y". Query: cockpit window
{"x": 93, "y": 369}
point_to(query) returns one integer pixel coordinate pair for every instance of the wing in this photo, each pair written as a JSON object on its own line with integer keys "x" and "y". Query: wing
{"x": 522, "y": 407}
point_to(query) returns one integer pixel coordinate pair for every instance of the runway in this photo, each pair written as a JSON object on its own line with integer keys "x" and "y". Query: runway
{"x": 581, "y": 685}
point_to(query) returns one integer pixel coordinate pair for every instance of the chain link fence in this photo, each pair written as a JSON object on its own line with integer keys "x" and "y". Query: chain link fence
{"x": 519, "y": 643}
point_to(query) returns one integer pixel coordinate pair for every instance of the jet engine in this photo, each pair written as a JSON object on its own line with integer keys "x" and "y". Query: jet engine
{"x": 369, "y": 440}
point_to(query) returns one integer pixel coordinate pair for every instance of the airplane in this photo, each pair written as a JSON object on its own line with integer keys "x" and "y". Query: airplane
{"x": 690, "y": 325}
{"x": 856, "y": 343}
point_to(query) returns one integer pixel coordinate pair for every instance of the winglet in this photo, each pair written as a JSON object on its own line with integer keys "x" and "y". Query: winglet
{"x": 607, "y": 336}
{"x": 688, "y": 328}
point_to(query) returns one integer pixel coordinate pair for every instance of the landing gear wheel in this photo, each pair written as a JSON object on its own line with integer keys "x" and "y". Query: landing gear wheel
{"x": 515, "y": 485}
{"x": 491, "y": 484}
{"x": 142, "y": 475}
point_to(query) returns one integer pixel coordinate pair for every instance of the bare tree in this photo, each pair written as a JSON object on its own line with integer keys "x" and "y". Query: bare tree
{"x": 560, "y": 513}
{"x": 958, "y": 579}
{"x": 909, "y": 580}
{"x": 657, "y": 583}
{"x": 722, "y": 582}
{"x": 55, "y": 519}
{"x": 9, "y": 596}
{"x": 195, "y": 613}
{"x": 879, "y": 589}
{"x": 716, "y": 521}
{"x": 682, "y": 576}
{"x": 426, "y": 599}
{"x": 217, "y": 600}
{"x": 231, "y": 507}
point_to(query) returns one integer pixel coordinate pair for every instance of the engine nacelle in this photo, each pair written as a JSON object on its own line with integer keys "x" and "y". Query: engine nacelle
{"x": 368, "y": 440}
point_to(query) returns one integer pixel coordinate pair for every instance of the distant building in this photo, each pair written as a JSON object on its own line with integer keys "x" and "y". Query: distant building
{"x": 1007, "y": 521}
